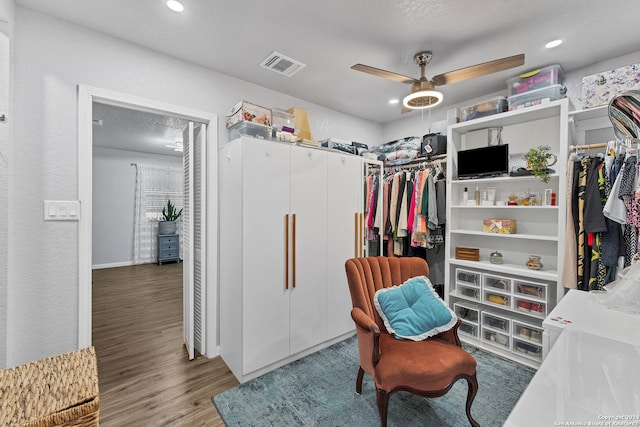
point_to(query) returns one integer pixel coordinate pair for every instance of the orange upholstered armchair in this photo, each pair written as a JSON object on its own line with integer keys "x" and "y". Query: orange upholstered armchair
{"x": 429, "y": 367}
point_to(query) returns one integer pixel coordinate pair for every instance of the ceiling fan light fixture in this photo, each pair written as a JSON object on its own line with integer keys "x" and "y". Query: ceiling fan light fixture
{"x": 422, "y": 99}
{"x": 175, "y": 5}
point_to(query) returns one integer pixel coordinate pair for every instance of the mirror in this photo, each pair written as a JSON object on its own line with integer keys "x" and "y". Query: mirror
{"x": 624, "y": 113}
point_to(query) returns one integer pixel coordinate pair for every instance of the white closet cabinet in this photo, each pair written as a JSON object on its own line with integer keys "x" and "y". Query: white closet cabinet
{"x": 283, "y": 290}
{"x": 344, "y": 238}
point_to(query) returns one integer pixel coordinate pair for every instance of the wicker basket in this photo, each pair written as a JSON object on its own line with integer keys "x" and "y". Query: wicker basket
{"x": 57, "y": 391}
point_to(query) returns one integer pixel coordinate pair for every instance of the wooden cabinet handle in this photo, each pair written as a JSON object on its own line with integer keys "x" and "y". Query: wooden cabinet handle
{"x": 286, "y": 251}
{"x": 294, "y": 250}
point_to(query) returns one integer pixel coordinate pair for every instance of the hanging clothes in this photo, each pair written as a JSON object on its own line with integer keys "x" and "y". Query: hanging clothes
{"x": 416, "y": 208}
{"x": 570, "y": 266}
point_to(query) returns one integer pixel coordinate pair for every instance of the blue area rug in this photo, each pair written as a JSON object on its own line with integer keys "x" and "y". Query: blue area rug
{"x": 319, "y": 390}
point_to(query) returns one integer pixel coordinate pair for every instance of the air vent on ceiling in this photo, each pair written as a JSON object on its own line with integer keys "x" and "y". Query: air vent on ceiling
{"x": 281, "y": 64}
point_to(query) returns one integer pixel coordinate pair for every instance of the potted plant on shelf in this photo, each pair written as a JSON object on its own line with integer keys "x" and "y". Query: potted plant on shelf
{"x": 538, "y": 160}
{"x": 170, "y": 215}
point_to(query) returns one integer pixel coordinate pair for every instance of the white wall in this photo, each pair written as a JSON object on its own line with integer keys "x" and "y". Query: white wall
{"x": 113, "y": 203}
{"x": 6, "y": 76}
{"x": 52, "y": 58}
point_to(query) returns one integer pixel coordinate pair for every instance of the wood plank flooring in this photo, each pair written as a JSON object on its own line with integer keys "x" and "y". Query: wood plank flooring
{"x": 145, "y": 376}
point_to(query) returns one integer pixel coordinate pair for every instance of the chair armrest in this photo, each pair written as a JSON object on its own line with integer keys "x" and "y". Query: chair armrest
{"x": 368, "y": 334}
{"x": 451, "y": 335}
{"x": 363, "y": 320}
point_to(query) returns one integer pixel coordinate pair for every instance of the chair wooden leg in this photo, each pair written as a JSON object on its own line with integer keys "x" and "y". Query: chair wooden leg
{"x": 359, "y": 380}
{"x": 471, "y": 394}
{"x": 383, "y": 403}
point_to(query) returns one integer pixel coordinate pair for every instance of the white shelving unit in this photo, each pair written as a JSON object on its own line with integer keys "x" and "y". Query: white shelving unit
{"x": 539, "y": 231}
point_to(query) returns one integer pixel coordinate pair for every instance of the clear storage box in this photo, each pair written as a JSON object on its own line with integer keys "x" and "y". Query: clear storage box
{"x": 535, "y": 97}
{"x": 254, "y": 130}
{"x": 487, "y": 108}
{"x": 282, "y": 119}
{"x": 535, "y": 79}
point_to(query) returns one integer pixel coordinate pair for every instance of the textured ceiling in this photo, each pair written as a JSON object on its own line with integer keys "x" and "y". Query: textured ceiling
{"x": 125, "y": 129}
{"x": 329, "y": 36}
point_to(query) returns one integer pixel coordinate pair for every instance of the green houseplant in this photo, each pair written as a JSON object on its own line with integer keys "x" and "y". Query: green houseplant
{"x": 538, "y": 161}
{"x": 170, "y": 214}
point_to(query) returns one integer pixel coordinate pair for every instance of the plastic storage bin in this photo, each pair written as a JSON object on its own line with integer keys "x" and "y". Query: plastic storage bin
{"x": 496, "y": 338}
{"x": 535, "y": 79}
{"x": 467, "y": 312}
{"x": 467, "y": 277}
{"x": 468, "y": 329}
{"x": 497, "y": 283}
{"x": 496, "y": 322}
{"x": 281, "y": 119}
{"x": 250, "y": 129}
{"x": 468, "y": 292}
{"x": 484, "y": 109}
{"x": 527, "y": 349}
{"x": 535, "y": 97}
{"x": 527, "y": 333}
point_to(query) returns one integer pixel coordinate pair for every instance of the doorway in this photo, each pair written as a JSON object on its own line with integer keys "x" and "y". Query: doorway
{"x": 87, "y": 96}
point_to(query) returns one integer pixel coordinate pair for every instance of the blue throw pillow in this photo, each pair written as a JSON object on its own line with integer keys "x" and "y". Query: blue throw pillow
{"x": 413, "y": 310}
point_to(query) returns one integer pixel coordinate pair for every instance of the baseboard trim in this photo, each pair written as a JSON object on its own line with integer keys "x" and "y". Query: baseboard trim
{"x": 112, "y": 265}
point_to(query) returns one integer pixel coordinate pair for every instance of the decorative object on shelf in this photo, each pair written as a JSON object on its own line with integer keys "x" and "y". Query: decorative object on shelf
{"x": 534, "y": 262}
{"x": 170, "y": 215}
{"x": 495, "y": 257}
{"x": 598, "y": 89}
{"x": 538, "y": 161}
{"x": 500, "y": 226}
{"x": 469, "y": 254}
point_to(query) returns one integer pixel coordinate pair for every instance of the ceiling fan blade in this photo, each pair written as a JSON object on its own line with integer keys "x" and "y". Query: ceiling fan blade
{"x": 406, "y": 110}
{"x": 479, "y": 70}
{"x": 383, "y": 73}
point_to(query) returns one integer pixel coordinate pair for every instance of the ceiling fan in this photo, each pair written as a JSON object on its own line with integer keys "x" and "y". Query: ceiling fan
{"x": 423, "y": 93}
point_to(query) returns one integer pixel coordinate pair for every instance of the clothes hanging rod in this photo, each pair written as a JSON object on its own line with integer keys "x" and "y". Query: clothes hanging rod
{"x": 441, "y": 158}
{"x": 588, "y": 146}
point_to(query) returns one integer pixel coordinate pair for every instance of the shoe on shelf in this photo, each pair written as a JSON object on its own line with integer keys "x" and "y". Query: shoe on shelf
{"x": 535, "y": 336}
{"x": 497, "y": 299}
{"x": 534, "y": 351}
{"x": 524, "y": 306}
{"x": 525, "y": 332}
{"x": 502, "y": 339}
{"x": 537, "y": 308}
{"x": 520, "y": 348}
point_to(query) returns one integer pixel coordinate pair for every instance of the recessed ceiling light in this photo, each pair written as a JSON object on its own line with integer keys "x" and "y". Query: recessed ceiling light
{"x": 394, "y": 101}
{"x": 175, "y": 5}
{"x": 553, "y": 43}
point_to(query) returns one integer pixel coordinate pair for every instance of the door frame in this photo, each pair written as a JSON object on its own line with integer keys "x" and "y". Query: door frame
{"x": 87, "y": 95}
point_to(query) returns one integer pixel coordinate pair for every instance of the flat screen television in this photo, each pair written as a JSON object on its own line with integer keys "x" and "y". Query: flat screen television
{"x": 483, "y": 162}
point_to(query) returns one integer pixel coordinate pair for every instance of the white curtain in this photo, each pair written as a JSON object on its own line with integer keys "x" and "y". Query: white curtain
{"x": 155, "y": 184}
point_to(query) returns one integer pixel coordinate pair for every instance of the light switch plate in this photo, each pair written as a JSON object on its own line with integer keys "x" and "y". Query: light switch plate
{"x": 61, "y": 210}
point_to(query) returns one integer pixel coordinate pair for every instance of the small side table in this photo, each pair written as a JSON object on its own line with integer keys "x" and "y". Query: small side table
{"x": 168, "y": 248}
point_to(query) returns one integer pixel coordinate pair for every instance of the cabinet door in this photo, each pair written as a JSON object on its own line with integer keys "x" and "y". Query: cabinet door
{"x": 265, "y": 187}
{"x": 345, "y": 188}
{"x": 309, "y": 205}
